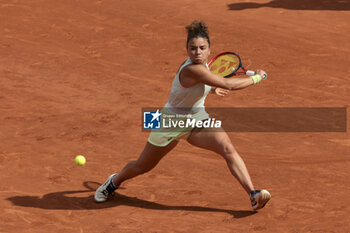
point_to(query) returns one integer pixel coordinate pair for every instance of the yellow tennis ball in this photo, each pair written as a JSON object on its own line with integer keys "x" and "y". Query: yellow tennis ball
{"x": 80, "y": 160}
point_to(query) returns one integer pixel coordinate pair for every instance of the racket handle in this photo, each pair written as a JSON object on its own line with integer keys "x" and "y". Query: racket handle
{"x": 250, "y": 72}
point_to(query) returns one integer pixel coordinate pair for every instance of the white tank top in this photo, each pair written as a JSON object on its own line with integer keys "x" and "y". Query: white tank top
{"x": 191, "y": 97}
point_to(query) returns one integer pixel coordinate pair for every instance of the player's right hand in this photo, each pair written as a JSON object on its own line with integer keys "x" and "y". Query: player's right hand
{"x": 262, "y": 73}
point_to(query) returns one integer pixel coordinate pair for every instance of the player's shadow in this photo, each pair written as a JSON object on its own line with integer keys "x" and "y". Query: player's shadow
{"x": 78, "y": 200}
{"x": 337, "y": 5}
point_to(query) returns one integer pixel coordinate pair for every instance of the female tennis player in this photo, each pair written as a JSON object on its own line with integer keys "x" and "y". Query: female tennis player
{"x": 190, "y": 88}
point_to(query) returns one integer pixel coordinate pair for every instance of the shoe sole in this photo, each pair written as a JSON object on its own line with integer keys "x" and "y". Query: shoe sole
{"x": 264, "y": 197}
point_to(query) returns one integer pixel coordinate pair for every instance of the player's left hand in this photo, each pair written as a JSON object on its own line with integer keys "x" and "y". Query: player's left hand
{"x": 221, "y": 91}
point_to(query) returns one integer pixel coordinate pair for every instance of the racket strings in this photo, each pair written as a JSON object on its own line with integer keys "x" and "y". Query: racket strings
{"x": 225, "y": 64}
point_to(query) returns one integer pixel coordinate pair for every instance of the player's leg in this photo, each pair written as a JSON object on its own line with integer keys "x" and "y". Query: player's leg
{"x": 149, "y": 158}
{"x": 219, "y": 142}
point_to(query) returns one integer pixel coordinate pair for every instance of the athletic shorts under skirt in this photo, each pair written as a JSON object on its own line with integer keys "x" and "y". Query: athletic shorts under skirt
{"x": 162, "y": 137}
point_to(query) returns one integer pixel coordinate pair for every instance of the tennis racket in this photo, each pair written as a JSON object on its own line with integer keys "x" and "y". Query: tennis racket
{"x": 228, "y": 64}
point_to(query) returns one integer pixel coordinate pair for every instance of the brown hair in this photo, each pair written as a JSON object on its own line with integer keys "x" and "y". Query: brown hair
{"x": 197, "y": 29}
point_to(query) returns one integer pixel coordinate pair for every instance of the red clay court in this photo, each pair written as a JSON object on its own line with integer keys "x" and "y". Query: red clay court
{"x": 74, "y": 76}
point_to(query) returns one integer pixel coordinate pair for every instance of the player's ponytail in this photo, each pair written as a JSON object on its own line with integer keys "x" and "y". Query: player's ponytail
{"x": 197, "y": 29}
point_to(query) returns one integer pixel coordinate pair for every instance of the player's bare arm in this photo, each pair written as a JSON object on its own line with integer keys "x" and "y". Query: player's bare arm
{"x": 197, "y": 73}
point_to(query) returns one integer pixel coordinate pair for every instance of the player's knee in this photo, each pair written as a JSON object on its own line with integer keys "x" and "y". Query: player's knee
{"x": 228, "y": 151}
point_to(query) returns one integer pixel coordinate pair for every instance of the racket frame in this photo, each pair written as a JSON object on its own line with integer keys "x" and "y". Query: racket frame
{"x": 234, "y": 73}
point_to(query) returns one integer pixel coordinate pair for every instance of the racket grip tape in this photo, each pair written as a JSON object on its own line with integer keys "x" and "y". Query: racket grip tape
{"x": 250, "y": 72}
